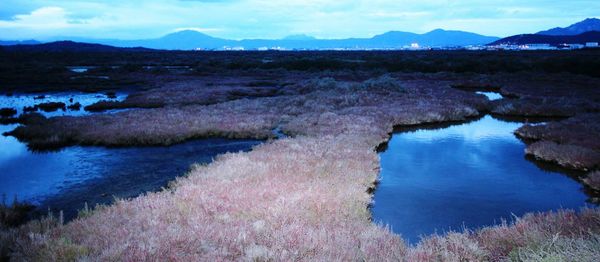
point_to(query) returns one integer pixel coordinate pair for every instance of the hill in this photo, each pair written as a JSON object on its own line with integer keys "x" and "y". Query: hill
{"x": 22, "y": 42}
{"x": 587, "y": 25}
{"x": 190, "y": 40}
{"x": 592, "y": 36}
{"x": 62, "y": 46}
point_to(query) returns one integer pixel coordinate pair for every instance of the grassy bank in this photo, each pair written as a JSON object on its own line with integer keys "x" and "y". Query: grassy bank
{"x": 571, "y": 143}
{"x": 301, "y": 198}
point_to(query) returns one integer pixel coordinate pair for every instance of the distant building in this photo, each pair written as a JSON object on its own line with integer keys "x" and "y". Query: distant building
{"x": 234, "y": 48}
{"x": 591, "y": 44}
{"x": 537, "y": 47}
{"x": 570, "y": 46}
{"x": 576, "y": 46}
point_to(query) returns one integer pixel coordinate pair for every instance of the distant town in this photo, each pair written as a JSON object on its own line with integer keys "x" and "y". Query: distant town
{"x": 418, "y": 47}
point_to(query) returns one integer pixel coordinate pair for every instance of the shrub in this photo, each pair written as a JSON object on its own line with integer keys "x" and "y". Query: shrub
{"x": 14, "y": 214}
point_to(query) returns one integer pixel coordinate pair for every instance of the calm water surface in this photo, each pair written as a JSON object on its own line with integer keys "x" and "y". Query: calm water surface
{"x": 19, "y": 101}
{"x": 472, "y": 175}
{"x": 67, "y": 179}
{"x": 490, "y": 95}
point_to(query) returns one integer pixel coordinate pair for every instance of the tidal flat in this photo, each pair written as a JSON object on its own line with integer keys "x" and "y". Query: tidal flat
{"x": 307, "y": 195}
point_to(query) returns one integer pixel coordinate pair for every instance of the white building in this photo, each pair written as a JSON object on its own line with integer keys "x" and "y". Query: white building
{"x": 537, "y": 47}
{"x": 591, "y": 44}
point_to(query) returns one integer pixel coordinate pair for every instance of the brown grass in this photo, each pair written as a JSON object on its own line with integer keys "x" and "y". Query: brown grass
{"x": 582, "y": 130}
{"x": 537, "y": 107}
{"x": 189, "y": 92}
{"x": 593, "y": 180}
{"x": 571, "y": 143}
{"x": 570, "y": 156}
{"x": 303, "y": 198}
{"x": 293, "y": 199}
{"x": 328, "y": 111}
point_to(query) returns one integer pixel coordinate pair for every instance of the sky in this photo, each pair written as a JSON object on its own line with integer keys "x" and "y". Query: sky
{"x": 239, "y": 19}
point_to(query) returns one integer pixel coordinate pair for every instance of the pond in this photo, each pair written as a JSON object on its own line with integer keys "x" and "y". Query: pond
{"x": 80, "y": 69}
{"x": 67, "y": 179}
{"x": 490, "y": 95}
{"x": 467, "y": 175}
{"x": 20, "y": 101}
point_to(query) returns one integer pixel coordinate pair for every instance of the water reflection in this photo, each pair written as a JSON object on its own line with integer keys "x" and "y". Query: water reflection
{"x": 490, "y": 95}
{"x": 80, "y": 69}
{"x": 67, "y": 179}
{"x": 469, "y": 175}
{"x": 20, "y": 101}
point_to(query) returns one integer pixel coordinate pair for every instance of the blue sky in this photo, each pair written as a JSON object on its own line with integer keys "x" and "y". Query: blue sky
{"x": 237, "y": 19}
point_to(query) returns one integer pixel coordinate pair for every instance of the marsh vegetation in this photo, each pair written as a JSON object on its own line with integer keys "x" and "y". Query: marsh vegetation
{"x": 306, "y": 196}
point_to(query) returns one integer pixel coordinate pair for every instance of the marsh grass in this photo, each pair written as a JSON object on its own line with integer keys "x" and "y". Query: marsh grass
{"x": 335, "y": 109}
{"x": 571, "y": 143}
{"x": 301, "y": 198}
{"x": 50, "y": 106}
{"x": 570, "y": 156}
{"x": 593, "y": 180}
{"x": 13, "y": 214}
{"x": 292, "y": 199}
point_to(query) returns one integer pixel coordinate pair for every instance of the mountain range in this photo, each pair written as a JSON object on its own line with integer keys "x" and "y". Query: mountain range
{"x": 578, "y": 33}
{"x": 581, "y": 33}
{"x": 23, "y": 42}
{"x": 590, "y": 24}
{"x": 189, "y": 40}
{"x": 553, "y": 40}
{"x": 62, "y": 46}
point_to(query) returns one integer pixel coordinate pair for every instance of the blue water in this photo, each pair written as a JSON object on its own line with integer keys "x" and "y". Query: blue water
{"x": 490, "y": 95}
{"x": 19, "y": 101}
{"x": 469, "y": 175}
{"x": 67, "y": 179}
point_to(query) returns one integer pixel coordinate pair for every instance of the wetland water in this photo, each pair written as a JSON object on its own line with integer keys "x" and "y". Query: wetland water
{"x": 67, "y": 179}
{"x": 467, "y": 175}
{"x": 19, "y": 101}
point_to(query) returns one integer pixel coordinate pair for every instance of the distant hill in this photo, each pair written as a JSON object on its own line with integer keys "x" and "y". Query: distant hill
{"x": 189, "y": 40}
{"x": 587, "y": 25}
{"x": 302, "y": 37}
{"x": 61, "y": 46}
{"x": 23, "y": 42}
{"x": 593, "y": 36}
{"x": 182, "y": 40}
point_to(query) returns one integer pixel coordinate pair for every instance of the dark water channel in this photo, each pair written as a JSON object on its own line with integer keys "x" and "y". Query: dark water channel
{"x": 67, "y": 179}
{"x": 467, "y": 175}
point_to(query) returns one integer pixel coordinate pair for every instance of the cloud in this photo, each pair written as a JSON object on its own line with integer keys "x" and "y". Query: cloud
{"x": 42, "y": 18}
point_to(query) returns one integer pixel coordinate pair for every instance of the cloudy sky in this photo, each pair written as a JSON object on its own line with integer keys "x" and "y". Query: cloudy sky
{"x": 237, "y": 19}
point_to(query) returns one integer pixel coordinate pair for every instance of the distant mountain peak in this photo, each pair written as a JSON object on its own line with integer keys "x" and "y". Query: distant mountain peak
{"x": 189, "y": 39}
{"x": 302, "y": 37}
{"x": 438, "y": 30}
{"x": 187, "y": 32}
{"x": 590, "y": 20}
{"x": 589, "y": 24}
{"x": 553, "y": 40}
